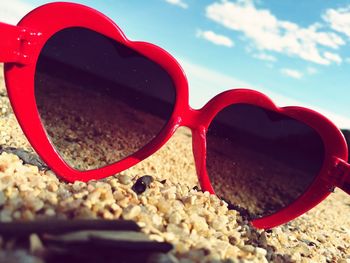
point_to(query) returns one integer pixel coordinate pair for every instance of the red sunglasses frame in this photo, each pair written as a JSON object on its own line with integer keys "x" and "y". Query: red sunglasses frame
{"x": 20, "y": 48}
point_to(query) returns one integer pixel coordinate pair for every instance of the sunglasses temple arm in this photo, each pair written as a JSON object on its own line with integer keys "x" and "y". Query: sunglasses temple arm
{"x": 14, "y": 40}
{"x": 345, "y": 180}
{"x": 346, "y": 184}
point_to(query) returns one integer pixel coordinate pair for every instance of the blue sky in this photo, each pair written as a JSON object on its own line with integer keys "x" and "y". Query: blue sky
{"x": 297, "y": 52}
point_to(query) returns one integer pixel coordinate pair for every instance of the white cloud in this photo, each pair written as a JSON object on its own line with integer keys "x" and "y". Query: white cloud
{"x": 339, "y": 19}
{"x": 266, "y": 32}
{"x": 292, "y": 73}
{"x": 311, "y": 70}
{"x": 215, "y": 38}
{"x": 12, "y": 11}
{"x": 179, "y": 3}
{"x": 266, "y": 57}
{"x": 333, "y": 57}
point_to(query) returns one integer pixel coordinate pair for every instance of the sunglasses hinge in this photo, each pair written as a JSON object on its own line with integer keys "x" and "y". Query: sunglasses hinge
{"x": 340, "y": 175}
{"x": 17, "y": 43}
{"x": 28, "y": 42}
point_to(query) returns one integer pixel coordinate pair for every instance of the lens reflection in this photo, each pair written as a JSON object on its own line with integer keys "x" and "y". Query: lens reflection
{"x": 261, "y": 160}
{"x": 99, "y": 100}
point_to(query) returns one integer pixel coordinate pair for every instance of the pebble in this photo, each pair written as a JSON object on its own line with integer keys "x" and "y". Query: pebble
{"x": 163, "y": 205}
{"x": 321, "y": 238}
{"x": 52, "y": 187}
{"x": 142, "y": 184}
{"x": 261, "y": 251}
{"x": 219, "y": 222}
{"x": 131, "y": 212}
{"x": 249, "y": 248}
{"x": 124, "y": 179}
{"x": 199, "y": 223}
{"x": 175, "y": 218}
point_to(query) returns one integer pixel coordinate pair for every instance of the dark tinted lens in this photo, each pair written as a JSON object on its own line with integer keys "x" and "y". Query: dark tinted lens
{"x": 99, "y": 100}
{"x": 261, "y": 160}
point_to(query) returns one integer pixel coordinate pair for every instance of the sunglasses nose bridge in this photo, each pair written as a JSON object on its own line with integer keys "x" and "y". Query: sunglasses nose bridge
{"x": 192, "y": 119}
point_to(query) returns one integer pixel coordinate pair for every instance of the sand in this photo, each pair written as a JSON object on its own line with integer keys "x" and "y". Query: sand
{"x": 200, "y": 226}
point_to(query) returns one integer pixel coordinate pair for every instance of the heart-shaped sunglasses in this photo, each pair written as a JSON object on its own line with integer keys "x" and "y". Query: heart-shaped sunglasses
{"x": 74, "y": 80}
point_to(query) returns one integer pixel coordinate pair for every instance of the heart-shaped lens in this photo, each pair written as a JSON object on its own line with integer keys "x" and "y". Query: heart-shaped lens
{"x": 261, "y": 160}
{"x": 99, "y": 100}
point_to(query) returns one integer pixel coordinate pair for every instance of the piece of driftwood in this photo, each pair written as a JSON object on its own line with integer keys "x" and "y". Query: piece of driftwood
{"x": 53, "y": 226}
{"x": 85, "y": 241}
{"x": 113, "y": 240}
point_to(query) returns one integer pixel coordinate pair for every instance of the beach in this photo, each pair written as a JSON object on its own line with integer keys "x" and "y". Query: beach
{"x": 199, "y": 225}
